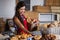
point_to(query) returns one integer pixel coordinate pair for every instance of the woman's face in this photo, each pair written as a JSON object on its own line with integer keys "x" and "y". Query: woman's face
{"x": 22, "y": 10}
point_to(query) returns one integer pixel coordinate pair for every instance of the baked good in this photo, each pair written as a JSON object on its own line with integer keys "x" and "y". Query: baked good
{"x": 37, "y": 37}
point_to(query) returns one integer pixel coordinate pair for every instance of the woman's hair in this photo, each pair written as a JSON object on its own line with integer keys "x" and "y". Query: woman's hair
{"x": 18, "y": 6}
{"x": 17, "y": 14}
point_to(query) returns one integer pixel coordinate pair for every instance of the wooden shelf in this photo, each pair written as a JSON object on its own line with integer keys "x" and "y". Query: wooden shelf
{"x": 52, "y": 2}
{"x": 41, "y": 9}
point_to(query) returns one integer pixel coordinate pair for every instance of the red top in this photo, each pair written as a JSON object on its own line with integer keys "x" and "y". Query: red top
{"x": 25, "y": 25}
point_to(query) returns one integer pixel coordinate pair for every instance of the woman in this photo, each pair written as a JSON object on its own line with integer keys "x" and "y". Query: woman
{"x": 19, "y": 18}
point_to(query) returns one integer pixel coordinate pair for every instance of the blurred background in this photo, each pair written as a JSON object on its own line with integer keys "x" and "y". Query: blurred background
{"x": 46, "y": 11}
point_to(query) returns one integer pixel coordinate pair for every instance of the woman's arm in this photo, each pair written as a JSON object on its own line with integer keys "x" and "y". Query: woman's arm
{"x": 18, "y": 23}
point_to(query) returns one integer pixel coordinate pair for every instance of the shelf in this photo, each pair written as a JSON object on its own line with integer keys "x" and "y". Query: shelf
{"x": 42, "y": 9}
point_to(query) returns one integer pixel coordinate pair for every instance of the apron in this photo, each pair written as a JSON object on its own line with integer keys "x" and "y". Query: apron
{"x": 25, "y": 25}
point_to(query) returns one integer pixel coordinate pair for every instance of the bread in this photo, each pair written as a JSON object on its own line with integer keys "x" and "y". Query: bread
{"x": 23, "y": 36}
{"x": 51, "y": 36}
{"x": 14, "y": 38}
{"x": 37, "y": 37}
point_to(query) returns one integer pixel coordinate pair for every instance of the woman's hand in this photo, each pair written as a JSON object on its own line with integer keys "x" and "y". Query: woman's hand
{"x": 29, "y": 20}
